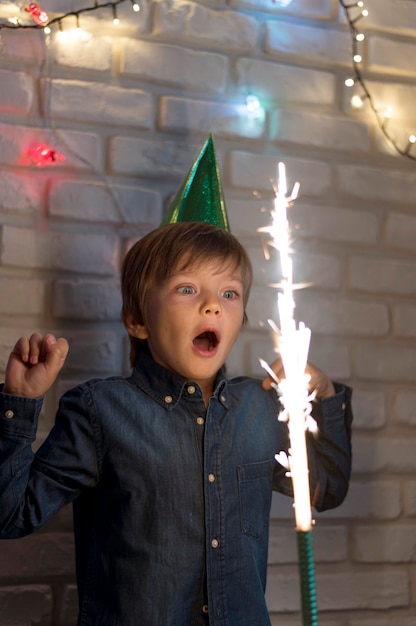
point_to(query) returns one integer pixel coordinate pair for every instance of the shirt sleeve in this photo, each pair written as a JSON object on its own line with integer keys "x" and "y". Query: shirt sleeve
{"x": 329, "y": 449}
{"x": 34, "y": 486}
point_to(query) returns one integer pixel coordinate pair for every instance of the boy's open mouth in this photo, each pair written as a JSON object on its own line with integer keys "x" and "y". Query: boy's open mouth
{"x": 206, "y": 341}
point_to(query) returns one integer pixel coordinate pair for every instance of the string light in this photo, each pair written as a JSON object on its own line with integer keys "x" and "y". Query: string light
{"x": 116, "y": 21}
{"x": 40, "y": 21}
{"x": 43, "y": 155}
{"x": 252, "y": 103}
{"x": 357, "y": 100}
{"x": 37, "y": 14}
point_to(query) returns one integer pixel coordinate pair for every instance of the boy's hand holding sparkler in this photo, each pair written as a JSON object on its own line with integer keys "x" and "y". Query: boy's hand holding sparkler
{"x": 319, "y": 381}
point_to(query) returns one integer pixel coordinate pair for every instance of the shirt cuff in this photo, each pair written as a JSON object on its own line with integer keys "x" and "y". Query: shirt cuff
{"x": 19, "y": 416}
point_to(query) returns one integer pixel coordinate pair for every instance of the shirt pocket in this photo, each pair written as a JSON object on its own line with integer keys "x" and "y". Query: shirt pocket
{"x": 255, "y": 492}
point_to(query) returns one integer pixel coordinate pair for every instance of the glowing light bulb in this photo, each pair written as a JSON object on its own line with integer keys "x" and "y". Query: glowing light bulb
{"x": 357, "y": 58}
{"x": 37, "y": 14}
{"x": 135, "y": 6}
{"x": 282, "y": 3}
{"x": 43, "y": 155}
{"x": 252, "y": 103}
{"x": 349, "y": 82}
{"x": 360, "y": 36}
{"x": 357, "y": 102}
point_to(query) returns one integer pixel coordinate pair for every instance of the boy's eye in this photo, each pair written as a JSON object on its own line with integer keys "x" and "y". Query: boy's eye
{"x": 229, "y": 294}
{"x": 186, "y": 289}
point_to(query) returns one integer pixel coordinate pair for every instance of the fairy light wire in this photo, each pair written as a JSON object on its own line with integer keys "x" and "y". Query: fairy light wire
{"x": 381, "y": 119}
{"x": 58, "y": 19}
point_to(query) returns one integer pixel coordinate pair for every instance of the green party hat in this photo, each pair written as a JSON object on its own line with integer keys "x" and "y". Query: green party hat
{"x": 200, "y": 199}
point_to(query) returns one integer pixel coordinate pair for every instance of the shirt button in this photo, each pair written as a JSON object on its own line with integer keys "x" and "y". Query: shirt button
{"x": 223, "y": 398}
{"x": 205, "y": 608}
{"x": 211, "y": 478}
{"x": 215, "y": 543}
{"x": 200, "y": 420}
{"x": 191, "y": 389}
{"x": 343, "y": 406}
{"x": 9, "y": 414}
{"x": 168, "y": 399}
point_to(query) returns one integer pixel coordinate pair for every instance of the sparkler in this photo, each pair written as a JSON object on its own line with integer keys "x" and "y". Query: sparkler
{"x": 293, "y": 345}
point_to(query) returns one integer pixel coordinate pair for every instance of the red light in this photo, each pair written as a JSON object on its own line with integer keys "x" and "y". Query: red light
{"x": 45, "y": 155}
{"x": 37, "y": 14}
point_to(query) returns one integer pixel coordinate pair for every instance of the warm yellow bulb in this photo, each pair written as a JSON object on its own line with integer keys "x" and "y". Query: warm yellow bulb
{"x": 356, "y": 102}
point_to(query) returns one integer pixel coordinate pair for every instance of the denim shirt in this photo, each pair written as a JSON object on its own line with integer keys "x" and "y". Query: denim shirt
{"x": 171, "y": 499}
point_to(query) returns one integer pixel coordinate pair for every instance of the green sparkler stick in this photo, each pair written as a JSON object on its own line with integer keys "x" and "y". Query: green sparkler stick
{"x": 307, "y": 578}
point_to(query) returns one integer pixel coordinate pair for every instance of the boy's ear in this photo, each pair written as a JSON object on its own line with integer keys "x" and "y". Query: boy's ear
{"x": 136, "y": 330}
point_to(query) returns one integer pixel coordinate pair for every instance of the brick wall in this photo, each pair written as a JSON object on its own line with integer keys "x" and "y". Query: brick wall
{"x": 130, "y": 107}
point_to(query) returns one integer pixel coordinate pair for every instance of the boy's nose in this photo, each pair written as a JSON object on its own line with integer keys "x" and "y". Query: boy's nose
{"x": 211, "y": 306}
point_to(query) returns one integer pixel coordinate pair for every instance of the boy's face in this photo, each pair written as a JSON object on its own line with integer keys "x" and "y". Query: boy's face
{"x": 194, "y": 318}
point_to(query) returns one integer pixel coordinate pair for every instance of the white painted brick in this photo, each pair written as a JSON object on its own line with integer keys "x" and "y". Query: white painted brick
{"x": 370, "y": 500}
{"x": 314, "y": 9}
{"x": 332, "y": 356}
{"x": 17, "y": 92}
{"x": 401, "y": 230}
{"x": 81, "y": 149}
{"x": 341, "y": 316}
{"x": 92, "y": 353}
{"x": 319, "y": 131}
{"x": 384, "y": 454}
{"x": 367, "y": 590}
{"x": 393, "y": 56}
{"x": 141, "y": 157}
{"x": 320, "y": 44}
{"x": 69, "y": 608}
{"x": 26, "y": 604}
{"x": 86, "y": 101}
{"x": 174, "y": 65}
{"x": 35, "y": 556}
{"x": 223, "y": 119}
{"x": 309, "y": 269}
{"x": 405, "y": 321}
{"x": 22, "y": 296}
{"x": 382, "y": 275}
{"x": 93, "y": 53}
{"x": 255, "y": 171}
{"x": 410, "y": 498}
{"x": 86, "y": 299}
{"x": 385, "y": 362}
{"x": 285, "y": 83}
{"x": 329, "y": 544}
{"x": 333, "y": 223}
{"x": 19, "y": 193}
{"x": 369, "y": 408}
{"x": 12, "y": 49}
{"x": 404, "y": 407}
{"x": 246, "y": 216}
{"x": 385, "y": 185}
{"x": 16, "y": 143}
{"x": 96, "y": 202}
{"x": 341, "y": 591}
{"x": 382, "y": 14}
{"x": 78, "y": 252}
{"x": 389, "y": 621}
{"x": 385, "y": 544}
{"x": 227, "y": 30}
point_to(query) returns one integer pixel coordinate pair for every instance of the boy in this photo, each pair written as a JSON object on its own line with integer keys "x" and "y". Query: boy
{"x": 171, "y": 470}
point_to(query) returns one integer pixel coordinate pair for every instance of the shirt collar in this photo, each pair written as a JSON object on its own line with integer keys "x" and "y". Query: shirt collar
{"x": 165, "y": 387}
